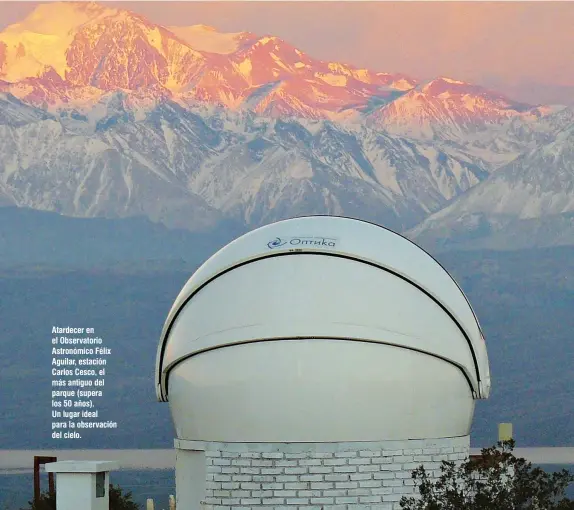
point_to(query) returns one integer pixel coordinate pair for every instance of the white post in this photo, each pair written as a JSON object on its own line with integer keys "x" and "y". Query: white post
{"x": 82, "y": 484}
{"x": 190, "y": 475}
{"x": 149, "y": 504}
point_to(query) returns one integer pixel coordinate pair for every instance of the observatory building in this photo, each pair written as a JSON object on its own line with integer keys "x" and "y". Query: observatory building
{"x": 316, "y": 362}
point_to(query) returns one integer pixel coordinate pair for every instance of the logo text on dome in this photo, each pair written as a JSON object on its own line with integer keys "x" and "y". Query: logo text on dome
{"x": 300, "y": 242}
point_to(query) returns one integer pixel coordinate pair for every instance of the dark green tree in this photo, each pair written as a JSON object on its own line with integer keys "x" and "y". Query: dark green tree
{"x": 497, "y": 481}
{"x": 118, "y": 501}
{"x": 47, "y": 501}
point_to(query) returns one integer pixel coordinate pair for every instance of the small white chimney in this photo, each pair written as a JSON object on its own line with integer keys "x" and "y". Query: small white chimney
{"x": 82, "y": 484}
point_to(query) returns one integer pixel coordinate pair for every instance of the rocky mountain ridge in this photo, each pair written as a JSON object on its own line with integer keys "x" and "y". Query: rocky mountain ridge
{"x": 104, "y": 113}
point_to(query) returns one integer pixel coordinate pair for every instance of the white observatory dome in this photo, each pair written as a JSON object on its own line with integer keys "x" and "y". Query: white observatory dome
{"x": 321, "y": 329}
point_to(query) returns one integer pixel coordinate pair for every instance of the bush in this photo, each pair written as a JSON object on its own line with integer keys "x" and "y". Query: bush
{"x": 118, "y": 501}
{"x": 497, "y": 481}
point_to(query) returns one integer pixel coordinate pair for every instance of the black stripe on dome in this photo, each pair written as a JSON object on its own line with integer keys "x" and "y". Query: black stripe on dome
{"x": 164, "y": 393}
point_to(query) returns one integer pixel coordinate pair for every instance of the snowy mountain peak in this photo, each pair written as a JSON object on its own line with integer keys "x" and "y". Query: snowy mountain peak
{"x": 53, "y": 20}
{"x": 207, "y": 28}
{"x": 446, "y": 108}
{"x": 104, "y": 113}
{"x": 266, "y": 39}
{"x": 58, "y": 17}
{"x": 208, "y": 39}
{"x": 451, "y": 80}
{"x": 444, "y": 85}
{"x": 53, "y": 34}
{"x": 70, "y": 53}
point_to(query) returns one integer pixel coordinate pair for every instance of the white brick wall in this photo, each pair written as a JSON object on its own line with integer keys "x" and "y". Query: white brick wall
{"x": 319, "y": 476}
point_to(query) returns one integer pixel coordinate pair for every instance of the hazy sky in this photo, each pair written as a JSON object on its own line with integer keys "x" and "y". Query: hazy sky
{"x": 522, "y": 48}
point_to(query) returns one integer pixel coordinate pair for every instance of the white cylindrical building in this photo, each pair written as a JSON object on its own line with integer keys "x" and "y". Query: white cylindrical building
{"x": 315, "y": 362}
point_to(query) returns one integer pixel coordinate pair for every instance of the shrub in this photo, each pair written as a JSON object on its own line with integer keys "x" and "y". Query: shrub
{"x": 118, "y": 501}
{"x": 497, "y": 481}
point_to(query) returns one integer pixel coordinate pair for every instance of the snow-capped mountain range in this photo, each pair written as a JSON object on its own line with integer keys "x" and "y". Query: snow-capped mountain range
{"x": 104, "y": 113}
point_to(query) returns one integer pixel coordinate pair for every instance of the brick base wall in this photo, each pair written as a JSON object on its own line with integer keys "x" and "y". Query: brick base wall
{"x": 320, "y": 476}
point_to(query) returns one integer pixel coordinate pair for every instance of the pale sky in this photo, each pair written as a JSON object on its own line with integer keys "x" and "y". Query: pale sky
{"x": 524, "y": 49}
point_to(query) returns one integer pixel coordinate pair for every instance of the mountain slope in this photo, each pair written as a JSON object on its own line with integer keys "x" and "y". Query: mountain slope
{"x": 114, "y": 169}
{"x": 54, "y": 63}
{"x": 536, "y": 185}
{"x": 481, "y": 231}
{"x": 38, "y": 238}
{"x": 445, "y": 109}
{"x": 195, "y": 168}
{"x": 104, "y": 113}
{"x": 73, "y": 52}
{"x": 16, "y": 113}
{"x": 208, "y": 39}
{"x": 294, "y": 168}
